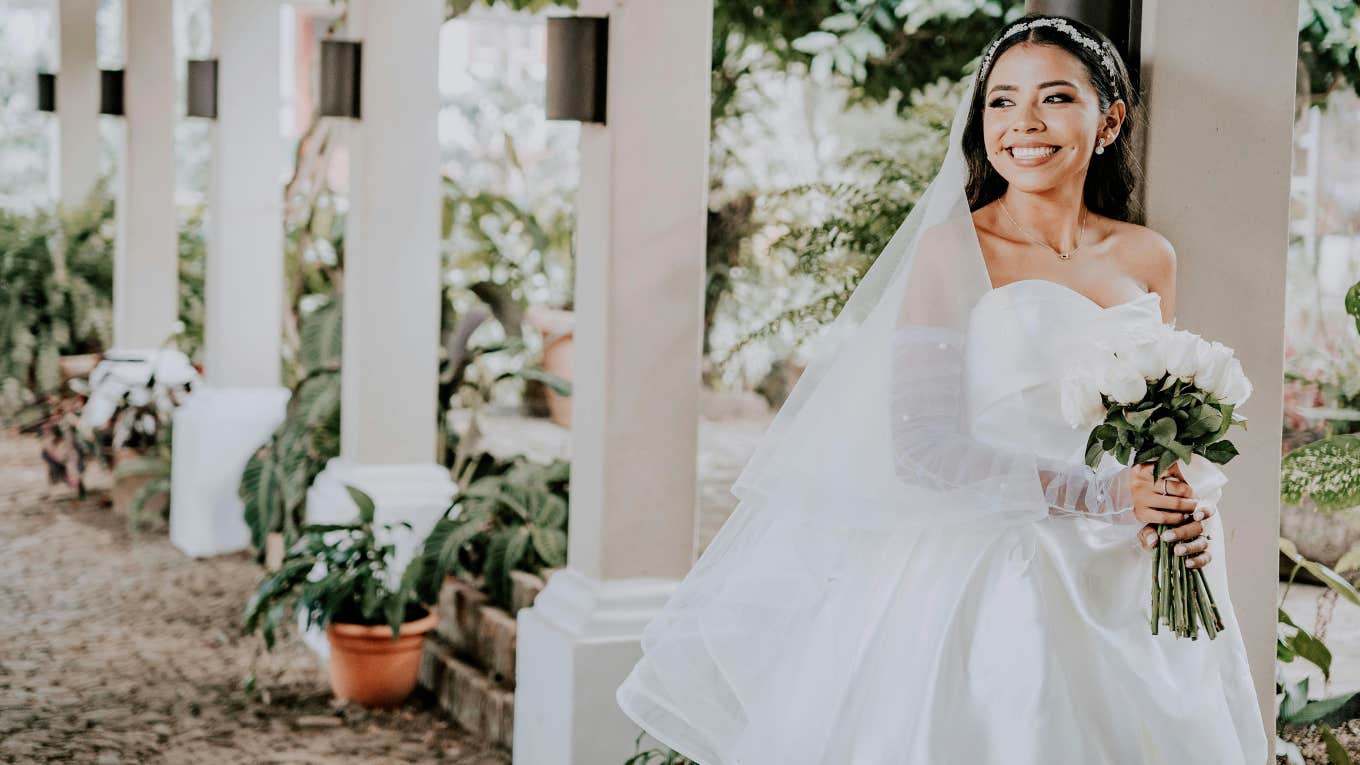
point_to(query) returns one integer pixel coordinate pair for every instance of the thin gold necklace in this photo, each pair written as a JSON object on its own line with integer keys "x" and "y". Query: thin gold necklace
{"x": 1061, "y": 255}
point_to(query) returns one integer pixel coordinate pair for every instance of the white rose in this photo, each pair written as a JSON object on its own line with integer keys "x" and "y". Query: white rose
{"x": 139, "y": 395}
{"x": 96, "y": 412}
{"x": 1214, "y": 360}
{"x": 1122, "y": 382}
{"x": 1081, "y": 403}
{"x": 1146, "y": 353}
{"x": 1236, "y": 388}
{"x": 1181, "y": 353}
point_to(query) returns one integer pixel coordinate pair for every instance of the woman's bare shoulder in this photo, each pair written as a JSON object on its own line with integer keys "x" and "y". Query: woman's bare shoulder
{"x": 1146, "y": 255}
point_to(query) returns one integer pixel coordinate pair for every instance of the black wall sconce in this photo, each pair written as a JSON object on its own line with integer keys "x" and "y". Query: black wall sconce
{"x": 47, "y": 92}
{"x": 111, "y": 92}
{"x": 578, "y": 68}
{"x": 340, "y": 67}
{"x": 201, "y": 98}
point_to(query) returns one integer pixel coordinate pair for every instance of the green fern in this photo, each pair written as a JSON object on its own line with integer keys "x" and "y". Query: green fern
{"x": 503, "y": 522}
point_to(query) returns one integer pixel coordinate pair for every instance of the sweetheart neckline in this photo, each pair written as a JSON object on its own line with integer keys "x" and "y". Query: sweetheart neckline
{"x": 1081, "y": 295}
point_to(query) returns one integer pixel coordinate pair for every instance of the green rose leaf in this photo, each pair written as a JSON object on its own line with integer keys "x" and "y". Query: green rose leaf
{"x": 1219, "y": 452}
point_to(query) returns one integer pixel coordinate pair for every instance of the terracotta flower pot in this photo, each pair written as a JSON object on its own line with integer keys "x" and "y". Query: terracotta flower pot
{"x": 369, "y": 667}
{"x": 78, "y": 365}
{"x": 557, "y": 327}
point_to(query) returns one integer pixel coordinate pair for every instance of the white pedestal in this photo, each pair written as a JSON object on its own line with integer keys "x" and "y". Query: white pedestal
{"x": 216, "y": 431}
{"x": 415, "y": 494}
{"x": 576, "y": 644}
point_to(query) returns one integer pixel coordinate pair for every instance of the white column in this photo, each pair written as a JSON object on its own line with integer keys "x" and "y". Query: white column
{"x": 1210, "y": 105}
{"x": 242, "y": 401}
{"x": 76, "y": 154}
{"x": 146, "y": 270}
{"x": 392, "y": 291}
{"x": 639, "y": 327}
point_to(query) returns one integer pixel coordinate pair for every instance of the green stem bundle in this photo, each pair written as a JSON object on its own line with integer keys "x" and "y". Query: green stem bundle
{"x": 1180, "y": 595}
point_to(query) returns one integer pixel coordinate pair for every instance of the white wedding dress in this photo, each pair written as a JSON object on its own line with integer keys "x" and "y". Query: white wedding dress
{"x": 799, "y": 639}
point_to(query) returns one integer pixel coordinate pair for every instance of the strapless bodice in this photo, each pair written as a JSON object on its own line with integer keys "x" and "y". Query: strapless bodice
{"x": 1023, "y": 337}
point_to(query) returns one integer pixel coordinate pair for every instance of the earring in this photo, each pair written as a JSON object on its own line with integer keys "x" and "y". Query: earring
{"x": 1100, "y": 146}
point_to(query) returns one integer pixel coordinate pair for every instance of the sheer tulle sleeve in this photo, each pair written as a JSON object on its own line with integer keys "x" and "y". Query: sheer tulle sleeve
{"x": 933, "y": 449}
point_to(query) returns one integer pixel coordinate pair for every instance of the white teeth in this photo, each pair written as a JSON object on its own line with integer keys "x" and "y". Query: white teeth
{"x": 1021, "y": 152}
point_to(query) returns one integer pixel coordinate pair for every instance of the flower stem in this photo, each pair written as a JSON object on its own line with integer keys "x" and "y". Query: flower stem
{"x": 1156, "y": 586}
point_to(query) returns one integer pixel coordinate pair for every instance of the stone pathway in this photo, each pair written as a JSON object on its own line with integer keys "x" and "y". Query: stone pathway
{"x": 115, "y": 648}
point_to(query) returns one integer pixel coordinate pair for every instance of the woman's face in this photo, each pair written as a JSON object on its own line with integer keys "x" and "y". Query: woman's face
{"x": 1041, "y": 97}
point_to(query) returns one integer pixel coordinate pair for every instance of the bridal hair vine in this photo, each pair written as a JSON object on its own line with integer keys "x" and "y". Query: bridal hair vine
{"x": 1071, "y": 31}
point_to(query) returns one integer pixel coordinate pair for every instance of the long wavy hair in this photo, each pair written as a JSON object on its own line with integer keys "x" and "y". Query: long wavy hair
{"x": 1113, "y": 176}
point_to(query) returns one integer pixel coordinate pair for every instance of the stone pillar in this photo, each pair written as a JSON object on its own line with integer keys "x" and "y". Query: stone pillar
{"x": 241, "y": 403}
{"x": 639, "y": 328}
{"x": 1210, "y": 105}
{"x": 76, "y": 153}
{"x": 146, "y": 257}
{"x": 392, "y": 297}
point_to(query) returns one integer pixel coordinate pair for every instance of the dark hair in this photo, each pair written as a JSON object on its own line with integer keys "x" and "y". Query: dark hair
{"x": 1113, "y": 176}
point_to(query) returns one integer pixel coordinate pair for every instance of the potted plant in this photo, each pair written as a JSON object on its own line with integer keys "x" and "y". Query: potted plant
{"x": 66, "y": 451}
{"x": 132, "y": 399}
{"x": 340, "y": 576}
{"x": 557, "y": 326}
{"x": 1320, "y": 479}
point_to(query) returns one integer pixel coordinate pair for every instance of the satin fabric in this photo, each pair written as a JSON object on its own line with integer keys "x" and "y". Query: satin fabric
{"x": 802, "y": 639}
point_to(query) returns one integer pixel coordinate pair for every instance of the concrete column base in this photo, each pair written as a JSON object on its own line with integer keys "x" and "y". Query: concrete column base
{"x": 416, "y": 494}
{"x": 216, "y": 431}
{"x": 576, "y": 645}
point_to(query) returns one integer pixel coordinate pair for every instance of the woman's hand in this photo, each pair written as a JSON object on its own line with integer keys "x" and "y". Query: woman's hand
{"x": 1170, "y": 501}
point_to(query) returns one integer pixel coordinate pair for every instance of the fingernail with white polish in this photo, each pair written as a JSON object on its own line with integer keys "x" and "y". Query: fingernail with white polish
{"x": 1151, "y": 537}
{"x": 1168, "y": 535}
{"x": 1180, "y": 549}
{"x": 1198, "y": 515}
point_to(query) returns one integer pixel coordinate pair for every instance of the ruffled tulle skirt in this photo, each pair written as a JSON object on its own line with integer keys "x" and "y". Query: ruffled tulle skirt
{"x": 801, "y": 640}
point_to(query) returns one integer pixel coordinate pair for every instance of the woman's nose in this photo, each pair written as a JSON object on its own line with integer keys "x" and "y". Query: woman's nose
{"x": 1026, "y": 118}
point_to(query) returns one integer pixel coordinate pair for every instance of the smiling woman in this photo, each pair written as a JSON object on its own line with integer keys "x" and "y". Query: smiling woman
{"x": 923, "y": 568}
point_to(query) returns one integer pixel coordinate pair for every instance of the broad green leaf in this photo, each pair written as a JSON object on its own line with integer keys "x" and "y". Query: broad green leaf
{"x": 1295, "y": 697}
{"x": 1323, "y": 573}
{"x": 364, "y": 503}
{"x": 551, "y": 546}
{"x": 1319, "y": 708}
{"x": 1327, "y": 471}
{"x": 1220, "y": 452}
{"x": 1336, "y": 753}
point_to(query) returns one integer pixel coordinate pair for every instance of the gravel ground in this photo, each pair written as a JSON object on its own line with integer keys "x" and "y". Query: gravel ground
{"x": 116, "y": 648}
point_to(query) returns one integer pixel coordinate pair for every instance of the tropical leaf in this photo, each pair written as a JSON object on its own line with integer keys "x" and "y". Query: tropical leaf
{"x": 136, "y": 508}
{"x": 551, "y": 546}
{"x": 1324, "y": 574}
{"x": 322, "y": 332}
{"x": 363, "y": 502}
{"x": 1326, "y": 471}
{"x": 1336, "y": 753}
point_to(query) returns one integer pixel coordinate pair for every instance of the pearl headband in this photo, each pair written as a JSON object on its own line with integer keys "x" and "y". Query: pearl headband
{"x": 1071, "y": 31}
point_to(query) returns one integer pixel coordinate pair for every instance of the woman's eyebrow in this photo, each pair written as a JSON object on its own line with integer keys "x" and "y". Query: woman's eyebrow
{"x": 1049, "y": 84}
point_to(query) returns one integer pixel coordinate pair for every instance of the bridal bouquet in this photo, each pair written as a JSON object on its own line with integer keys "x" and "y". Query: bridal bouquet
{"x": 1161, "y": 395}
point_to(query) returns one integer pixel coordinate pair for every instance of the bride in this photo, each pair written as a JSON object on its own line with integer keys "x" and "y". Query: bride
{"x": 921, "y": 569}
